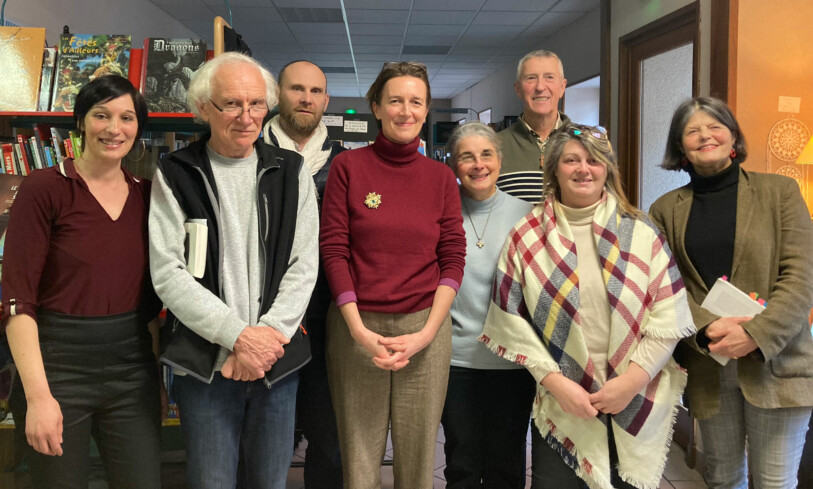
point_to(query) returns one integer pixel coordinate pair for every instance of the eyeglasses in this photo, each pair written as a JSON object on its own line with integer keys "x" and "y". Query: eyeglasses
{"x": 486, "y": 156}
{"x": 596, "y": 132}
{"x": 255, "y": 109}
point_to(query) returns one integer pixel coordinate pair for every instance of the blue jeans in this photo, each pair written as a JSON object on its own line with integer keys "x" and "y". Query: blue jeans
{"x": 227, "y": 420}
{"x": 775, "y": 439}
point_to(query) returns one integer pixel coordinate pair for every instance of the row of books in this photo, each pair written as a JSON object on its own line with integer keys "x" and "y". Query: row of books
{"x": 44, "y": 149}
{"x": 40, "y": 78}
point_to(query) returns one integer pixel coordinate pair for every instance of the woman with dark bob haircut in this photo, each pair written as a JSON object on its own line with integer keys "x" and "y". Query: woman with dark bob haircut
{"x": 77, "y": 299}
{"x": 393, "y": 247}
{"x": 750, "y": 378}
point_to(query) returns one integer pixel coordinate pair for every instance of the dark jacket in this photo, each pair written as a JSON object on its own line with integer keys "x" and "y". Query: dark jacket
{"x": 316, "y": 316}
{"x": 188, "y": 173}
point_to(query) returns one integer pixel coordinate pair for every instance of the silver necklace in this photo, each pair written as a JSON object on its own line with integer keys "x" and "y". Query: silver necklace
{"x": 479, "y": 242}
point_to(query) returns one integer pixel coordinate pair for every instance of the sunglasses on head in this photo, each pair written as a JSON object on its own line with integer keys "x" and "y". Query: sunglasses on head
{"x": 596, "y": 132}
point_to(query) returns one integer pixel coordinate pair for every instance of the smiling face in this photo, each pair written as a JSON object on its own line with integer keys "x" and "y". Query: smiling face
{"x": 541, "y": 85}
{"x": 303, "y": 98}
{"x": 109, "y": 130}
{"x": 403, "y": 108}
{"x": 236, "y": 85}
{"x": 580, "y": 176}
{"x": 477, "y": 167}
{"x": 707, "y": 144}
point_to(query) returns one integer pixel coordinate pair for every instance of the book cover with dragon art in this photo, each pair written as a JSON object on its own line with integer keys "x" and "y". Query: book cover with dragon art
{"x": 84, "y": 57}
{"x": 169, "y": 65}
{"x": 21, "y": 66}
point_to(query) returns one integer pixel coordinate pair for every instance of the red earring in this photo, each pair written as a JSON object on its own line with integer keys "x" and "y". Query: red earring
{"x": 733, "y": 153}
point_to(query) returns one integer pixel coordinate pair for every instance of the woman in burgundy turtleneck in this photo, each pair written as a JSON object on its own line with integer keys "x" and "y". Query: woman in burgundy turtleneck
{"x": 393, "y": 247}
{"x": 754, "y": 229}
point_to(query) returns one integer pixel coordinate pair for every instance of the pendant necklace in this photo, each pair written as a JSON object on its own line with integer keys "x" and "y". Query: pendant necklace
{"x": 479, "y": 242}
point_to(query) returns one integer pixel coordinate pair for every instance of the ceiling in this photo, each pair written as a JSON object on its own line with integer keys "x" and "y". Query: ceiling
{"x": 460, "y": 41}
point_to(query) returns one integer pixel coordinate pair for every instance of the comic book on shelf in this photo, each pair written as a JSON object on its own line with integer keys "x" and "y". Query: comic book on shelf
{"x": 20, "y": 67}
{"x": 83, "y": 57}
{"x": 169, "y": 65}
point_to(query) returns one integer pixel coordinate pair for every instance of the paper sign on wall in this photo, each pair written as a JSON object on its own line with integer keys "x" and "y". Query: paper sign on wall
{"x": 333, "y": 120}
{"x": 790, "y": 104}
{"x": 355, "y": 126}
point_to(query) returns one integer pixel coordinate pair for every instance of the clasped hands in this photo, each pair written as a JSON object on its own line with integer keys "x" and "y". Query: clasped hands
{"x": 729, "y": 338}
{"x": 256, "y": 350}
{"x": 392, "y": 353}
{"x": 612, "y": 398}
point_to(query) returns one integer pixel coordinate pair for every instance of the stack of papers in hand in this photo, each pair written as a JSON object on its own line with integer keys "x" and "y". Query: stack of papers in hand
{"x": 726, "y": 300}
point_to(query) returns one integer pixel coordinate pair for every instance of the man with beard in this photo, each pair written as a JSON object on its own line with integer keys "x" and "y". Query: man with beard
{"x": 303, "y": 99}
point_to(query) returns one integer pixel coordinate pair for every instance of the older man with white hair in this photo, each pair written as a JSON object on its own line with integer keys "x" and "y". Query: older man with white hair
{"x": 233, "y": 254}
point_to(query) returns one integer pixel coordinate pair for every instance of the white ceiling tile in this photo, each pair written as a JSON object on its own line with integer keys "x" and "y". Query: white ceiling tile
{"x": 237, "y": 3}
{"x": 376, "y": 29}
{"x": 377, "y": 40}
{"x": 316, "y": 29}
{"x": 418, "y": 40}
{"x": 307, "y": 3}
{"x": 506, "y": 18}
{"x": 377, "y": 4}
{"x": 551, "y": 22}
{"x": 447, "y": 4}
{"x": 441, "y": 17}
{"x": 326, "y": 48}
{"x": 188, "y": 10}
{"x": 525, "y": 5}
{"x": 356, "y": 16}
{"x": 577, "y": 6}
{"x": 373, "y": 49}
{"x": 253, "y": 15}
{"x": 452, "y": 31}
{"x": 258, "y": 32}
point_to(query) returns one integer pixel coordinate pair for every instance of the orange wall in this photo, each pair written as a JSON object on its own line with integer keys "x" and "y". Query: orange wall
{"x": 774, "y": 57}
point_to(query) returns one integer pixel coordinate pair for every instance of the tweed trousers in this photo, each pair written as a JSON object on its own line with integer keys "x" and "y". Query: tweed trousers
{"x": 369, "y": 401}
{"x": 775, "y": 439}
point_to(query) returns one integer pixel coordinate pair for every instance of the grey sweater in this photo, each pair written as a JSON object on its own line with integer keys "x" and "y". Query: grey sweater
{"x": 221, "y": 320}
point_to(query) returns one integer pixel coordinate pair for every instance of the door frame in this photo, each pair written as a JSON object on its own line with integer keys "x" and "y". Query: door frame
{"x": 669, "y": 32}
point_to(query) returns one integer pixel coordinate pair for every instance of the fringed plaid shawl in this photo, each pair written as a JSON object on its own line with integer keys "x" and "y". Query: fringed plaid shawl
{"x": 534, "y": 321}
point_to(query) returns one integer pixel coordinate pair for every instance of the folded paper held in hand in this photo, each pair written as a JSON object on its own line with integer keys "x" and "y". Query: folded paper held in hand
{"x": 726, "y": 300}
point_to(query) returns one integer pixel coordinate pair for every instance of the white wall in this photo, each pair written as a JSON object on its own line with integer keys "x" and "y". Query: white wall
{"x": 579, "y": 47}
{"x": 340, "y": 104}
{"x": 628, "y": 15}
{"x": 139, "y": 18}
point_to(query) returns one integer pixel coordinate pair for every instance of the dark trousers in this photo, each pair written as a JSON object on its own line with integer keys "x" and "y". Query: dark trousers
{"x": 551, "y": 472}
{"x": 103, "y": 374}
{"x": 323, "y": 462}
{"x": 485, "y": 423}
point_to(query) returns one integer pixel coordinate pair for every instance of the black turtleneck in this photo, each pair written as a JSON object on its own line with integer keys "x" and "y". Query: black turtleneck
{"x": 712, "y": 223}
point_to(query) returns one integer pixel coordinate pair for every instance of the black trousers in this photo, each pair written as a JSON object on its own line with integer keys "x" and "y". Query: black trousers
{"x": 102, "y": 372}
{"x": 551, "y": 472}
{"x": 485, "y": 423}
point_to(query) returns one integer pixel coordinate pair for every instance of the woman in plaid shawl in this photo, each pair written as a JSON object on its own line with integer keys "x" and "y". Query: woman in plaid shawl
{"x": 588, "y": 298}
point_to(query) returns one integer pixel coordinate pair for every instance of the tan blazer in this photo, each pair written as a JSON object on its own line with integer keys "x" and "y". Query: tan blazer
{"x": 773, "y": 256}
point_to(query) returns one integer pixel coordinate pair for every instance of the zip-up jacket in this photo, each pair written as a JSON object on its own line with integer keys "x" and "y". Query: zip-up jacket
{"x": 199, "y": 321}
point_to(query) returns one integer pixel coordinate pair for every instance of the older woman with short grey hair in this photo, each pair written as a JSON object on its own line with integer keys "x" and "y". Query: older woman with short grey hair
{"x": 488, "y": 401}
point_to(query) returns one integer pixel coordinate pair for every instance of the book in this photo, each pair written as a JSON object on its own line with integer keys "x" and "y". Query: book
{"x": 22, "y": 155}
{"x": 9, "y": 184}
{"x": 726, "y": 300}
{"x": 19, "y": 166}
{"x": 8, "y": 158}
{"x": 167, "y": 69}
{"x": 46, "y": 79}
{"x": 195, "y": 244}
{"x": 38, "y": 156}
{"x": 76, "y": 144}
{"x": 83, "y": 57}
{"x": 21, "y": 65}
{"x": 56, "y": 142}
